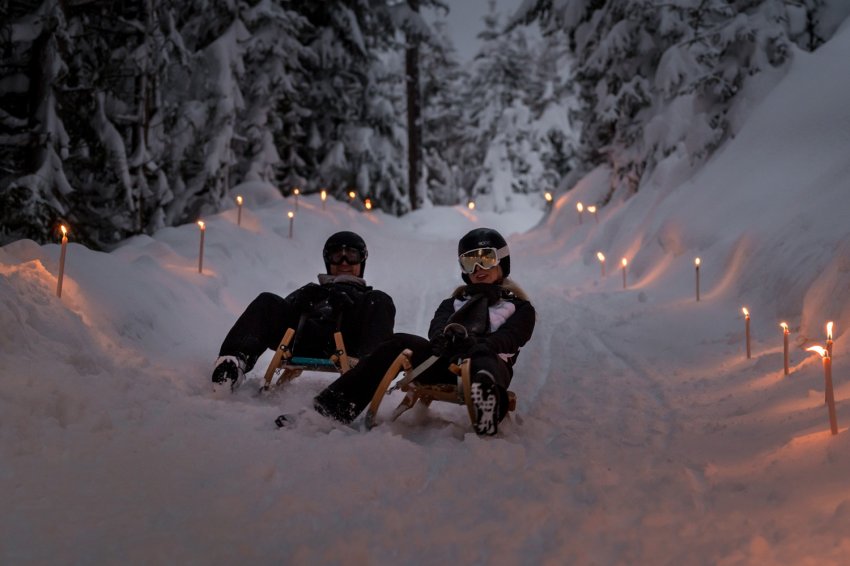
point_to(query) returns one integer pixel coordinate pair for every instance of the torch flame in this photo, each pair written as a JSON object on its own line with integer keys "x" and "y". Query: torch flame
{"x": 697, "y": 261}
{"x": 296, "y": 191}
{"x": 239, "y": 200}
{"x": 64, "y": 230}
{"x": 601, "y": 256}
{"x": 822, "y": 351}
{"x": 746, "y": 312}
{"x": 324, "y": 194}
{"x": 290, "y": 214}
{"x": 829, "y": 330}
{"x": 548, "y": 196}
{"x": 784, "y": 326}
{"x": 625, "y": 262}
{"x": 201, "y": 224}
{"x": 591, "y": 209}
{"x": 579, "y": 207}
{"x": 351, "y": 195}
{"x": 368, "y": 204}
{"x": 471, "y": 205}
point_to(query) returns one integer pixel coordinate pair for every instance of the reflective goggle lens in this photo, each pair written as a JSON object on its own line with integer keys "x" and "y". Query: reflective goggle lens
{"x": 485, "y": 258}
{"x": 351, "y": 256}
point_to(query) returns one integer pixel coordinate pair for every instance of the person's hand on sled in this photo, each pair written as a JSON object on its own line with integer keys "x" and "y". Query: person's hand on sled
{"x": 340, "y": 301}
{"x": 309, "y": 296}
{"x": 452, "y": 341}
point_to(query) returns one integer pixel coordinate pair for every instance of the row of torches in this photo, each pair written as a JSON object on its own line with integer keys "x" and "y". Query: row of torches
{"x": 825, "y": 353}
{"x": 367, "y": 203}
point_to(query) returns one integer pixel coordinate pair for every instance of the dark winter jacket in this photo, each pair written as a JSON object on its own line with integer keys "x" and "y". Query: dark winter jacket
{"x": 508, "y": 320}
{"x": 364, "y": 315}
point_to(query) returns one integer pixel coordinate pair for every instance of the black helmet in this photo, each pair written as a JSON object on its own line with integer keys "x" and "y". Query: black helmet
{"x": 486, "y": 238}
{"x": 345, "y": 239}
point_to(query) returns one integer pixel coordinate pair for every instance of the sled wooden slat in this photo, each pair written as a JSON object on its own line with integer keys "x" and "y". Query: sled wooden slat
{"x": 291, "y": 366}
{"x": 460, "y": 394}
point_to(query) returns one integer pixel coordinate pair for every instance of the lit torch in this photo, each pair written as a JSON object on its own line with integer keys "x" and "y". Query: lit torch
{"x": 291, "y": 216}
{"x": 696, "y": 265}
{"x": 580, "y": 208}
{"x": 785, "y": 333}
{"x": 203, "y": 228}
{"x": 592, "y": 209}
{"x": 747, "y": 324}
{"x": 829, "y": 326}
{"x": 624, "y": 262}
{"x": 828, "y": 393}
{"x": 601, "y": 257}
{"x": 324, "y": 195}
{"x": 239, "y": 211}
{"x": 62, "y": 260}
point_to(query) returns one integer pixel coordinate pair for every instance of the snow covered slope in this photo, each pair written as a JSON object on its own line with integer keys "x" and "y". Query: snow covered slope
{"x": 643, "y": 434}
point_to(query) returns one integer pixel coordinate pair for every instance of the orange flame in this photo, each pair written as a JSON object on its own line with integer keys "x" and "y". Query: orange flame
{"x": 697, "y": 261}
{"x": 746, "y": 312}
{"x": 601, "y": 256}
{"x": 829, "y": 330}
{"x": 64, "y": 230}
{"x": 296, "y": 191}
{"x": 471, "y": 205}
{"x": 591, "y": 209}
{"x": 324, "y": 194}
{"x": 822, "y": 351}
{"x": 368, "y": 204}
{"x": 548, "y": 196}
{"x": 352, "y": 195}
{"x": 784, "y": 326}
{"x": 579, "y": 207}
{"x": 290, "y": 214}
{"x": 625, "y": 262}
{"x": 239, "y": 200}
{"x": 201, "y": 224}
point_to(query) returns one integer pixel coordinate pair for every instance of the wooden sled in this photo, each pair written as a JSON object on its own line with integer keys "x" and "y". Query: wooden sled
{"x": 289, "y": 366}
{"x": 459, "y": 393}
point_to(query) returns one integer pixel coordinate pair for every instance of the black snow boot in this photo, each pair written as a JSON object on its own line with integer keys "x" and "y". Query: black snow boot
{"x": 485, "y": 399}
{"x": 229, "y": 370}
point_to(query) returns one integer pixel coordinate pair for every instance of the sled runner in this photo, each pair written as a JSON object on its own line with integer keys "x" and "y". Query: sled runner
{"x": 459, "y": 393}
{"x": 289, "y": 366}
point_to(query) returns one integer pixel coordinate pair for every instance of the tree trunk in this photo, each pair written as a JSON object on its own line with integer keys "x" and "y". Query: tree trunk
{"x": 414, "y": 110}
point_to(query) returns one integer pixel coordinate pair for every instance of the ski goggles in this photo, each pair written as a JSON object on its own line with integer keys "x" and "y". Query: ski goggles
{"x": 485, "y": 258}
{"x": 351, "y": 256}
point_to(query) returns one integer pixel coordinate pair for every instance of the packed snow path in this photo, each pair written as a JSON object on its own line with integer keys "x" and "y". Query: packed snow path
{"x": 642, "y": 435}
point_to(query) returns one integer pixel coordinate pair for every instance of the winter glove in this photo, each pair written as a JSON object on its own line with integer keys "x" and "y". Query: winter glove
{"x": 308, "y": 296}
{"x": 452, "y": 341}
{"x": 340, "y": 301}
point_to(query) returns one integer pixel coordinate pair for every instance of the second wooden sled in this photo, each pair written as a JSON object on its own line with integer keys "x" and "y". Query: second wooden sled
{"x": 289, "y": 366}
{"x": 459, "y": 393}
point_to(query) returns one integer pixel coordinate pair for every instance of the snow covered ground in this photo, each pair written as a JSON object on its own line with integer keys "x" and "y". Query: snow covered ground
{"x": 643, "y": 433}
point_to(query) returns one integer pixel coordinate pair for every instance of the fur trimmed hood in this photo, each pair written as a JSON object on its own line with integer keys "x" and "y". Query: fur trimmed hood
{"x": 509, "y": 288}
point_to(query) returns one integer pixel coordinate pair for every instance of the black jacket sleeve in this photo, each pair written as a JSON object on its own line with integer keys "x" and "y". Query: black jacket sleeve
{"x": 441, "y": 317}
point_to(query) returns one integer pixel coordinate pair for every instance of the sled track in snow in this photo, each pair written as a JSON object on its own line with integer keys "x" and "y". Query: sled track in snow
{"x": 609, "y": 416}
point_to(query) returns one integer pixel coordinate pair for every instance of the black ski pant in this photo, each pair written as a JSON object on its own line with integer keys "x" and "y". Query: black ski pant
{"x": 262, "y": 326}
{"x": 345, "y": 398}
